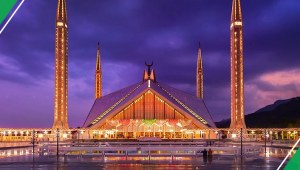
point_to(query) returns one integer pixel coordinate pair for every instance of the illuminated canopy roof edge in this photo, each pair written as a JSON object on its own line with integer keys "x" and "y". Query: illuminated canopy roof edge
{"x": 107, "y": 101}
{"x": 108, "y": 104}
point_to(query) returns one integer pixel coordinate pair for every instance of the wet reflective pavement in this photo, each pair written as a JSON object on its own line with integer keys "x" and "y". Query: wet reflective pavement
{"x": 19, "y": 159}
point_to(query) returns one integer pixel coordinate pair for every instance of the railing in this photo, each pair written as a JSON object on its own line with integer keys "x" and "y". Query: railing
{"x": 142, "y": 149}
{"x": 4, "y": 145}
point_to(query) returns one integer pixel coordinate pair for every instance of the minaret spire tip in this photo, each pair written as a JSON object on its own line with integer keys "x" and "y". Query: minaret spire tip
{"x": 199, "y": 74}
{"x": 236, "y": 13}
{"x": 98, "y": 74}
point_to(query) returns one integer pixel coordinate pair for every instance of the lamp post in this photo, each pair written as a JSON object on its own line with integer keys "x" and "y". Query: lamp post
{"x": 57, "y": 143}
{"x": 217, "y": 135}
{"x": 265, "y": 142}
{"x": 192, "y": 136}
{"x": 81, "y": 132}
{"x": 241, "y": 141}
{"x": 33, "y": 141}
{"x": 252, "y": 132}
{"x": 78, "y": 136}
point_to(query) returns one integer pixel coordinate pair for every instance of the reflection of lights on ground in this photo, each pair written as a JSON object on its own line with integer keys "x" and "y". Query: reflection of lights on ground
{"x": 271, "y": 153}
{"x": 14, "y": 153}
{"x": 147, "y": 158}
{"x": 268, "y": 152}
{"x": 275, "y": 152}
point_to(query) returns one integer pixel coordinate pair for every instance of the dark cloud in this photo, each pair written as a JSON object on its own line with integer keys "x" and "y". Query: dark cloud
{"x": 134, "y": 31}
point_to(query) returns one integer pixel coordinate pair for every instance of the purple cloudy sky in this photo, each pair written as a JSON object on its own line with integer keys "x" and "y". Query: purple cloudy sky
{"x": 132, "y": 31}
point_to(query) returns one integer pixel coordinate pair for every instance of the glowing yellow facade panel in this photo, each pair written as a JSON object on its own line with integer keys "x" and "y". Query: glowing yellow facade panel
{"x": 149, "y": 106}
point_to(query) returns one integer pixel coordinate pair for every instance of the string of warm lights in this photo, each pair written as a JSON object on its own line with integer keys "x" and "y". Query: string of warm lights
{"x": 186, "y": 107}
{"x": 113, "y": 106}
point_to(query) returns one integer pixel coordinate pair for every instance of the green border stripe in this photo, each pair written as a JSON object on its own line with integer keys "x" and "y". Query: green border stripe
{"x": 5, "y": 7}
{"x": 294, "y": 162}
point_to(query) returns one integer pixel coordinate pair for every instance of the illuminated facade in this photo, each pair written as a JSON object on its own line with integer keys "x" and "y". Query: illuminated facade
{"x": 61, "y": 67}
{"x": 98, "y": 75}
{"x": 237, "y": 67}
{"x": 148, "y": 108}
{"x": 199, "y": 75}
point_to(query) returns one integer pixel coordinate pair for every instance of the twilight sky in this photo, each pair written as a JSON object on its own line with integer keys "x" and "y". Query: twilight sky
{"x": 134, "y": 31}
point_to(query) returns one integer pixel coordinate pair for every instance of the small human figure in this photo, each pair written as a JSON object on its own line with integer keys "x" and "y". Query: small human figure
{"x": 209, "y": 155}
{"x": 209, "y": 152}
{"x": 204, "y": 153}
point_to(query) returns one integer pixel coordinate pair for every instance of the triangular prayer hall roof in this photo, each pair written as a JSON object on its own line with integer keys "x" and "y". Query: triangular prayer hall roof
{"x": 116, "y": 101}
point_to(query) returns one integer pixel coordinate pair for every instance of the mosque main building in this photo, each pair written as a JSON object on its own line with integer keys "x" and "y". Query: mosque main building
{"x": 149, "y": 107}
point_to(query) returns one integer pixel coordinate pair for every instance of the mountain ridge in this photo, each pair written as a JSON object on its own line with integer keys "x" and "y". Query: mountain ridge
{"x": 280, "y": 114}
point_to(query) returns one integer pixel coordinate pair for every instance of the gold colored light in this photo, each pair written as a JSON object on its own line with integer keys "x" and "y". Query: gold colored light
{"x": 237, "y": 67}
{"x": 61, "y": 68}
{"x": 98, "y": 75}
{"x": 199, "y": 76}
{"x": 59, "y": 24}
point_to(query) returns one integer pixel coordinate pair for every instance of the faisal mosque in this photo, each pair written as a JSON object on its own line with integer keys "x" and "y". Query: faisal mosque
{"x": 149, "y": 107}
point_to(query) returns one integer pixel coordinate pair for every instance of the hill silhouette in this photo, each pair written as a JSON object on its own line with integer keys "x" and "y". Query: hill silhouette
{"x": 281, "y": 114}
